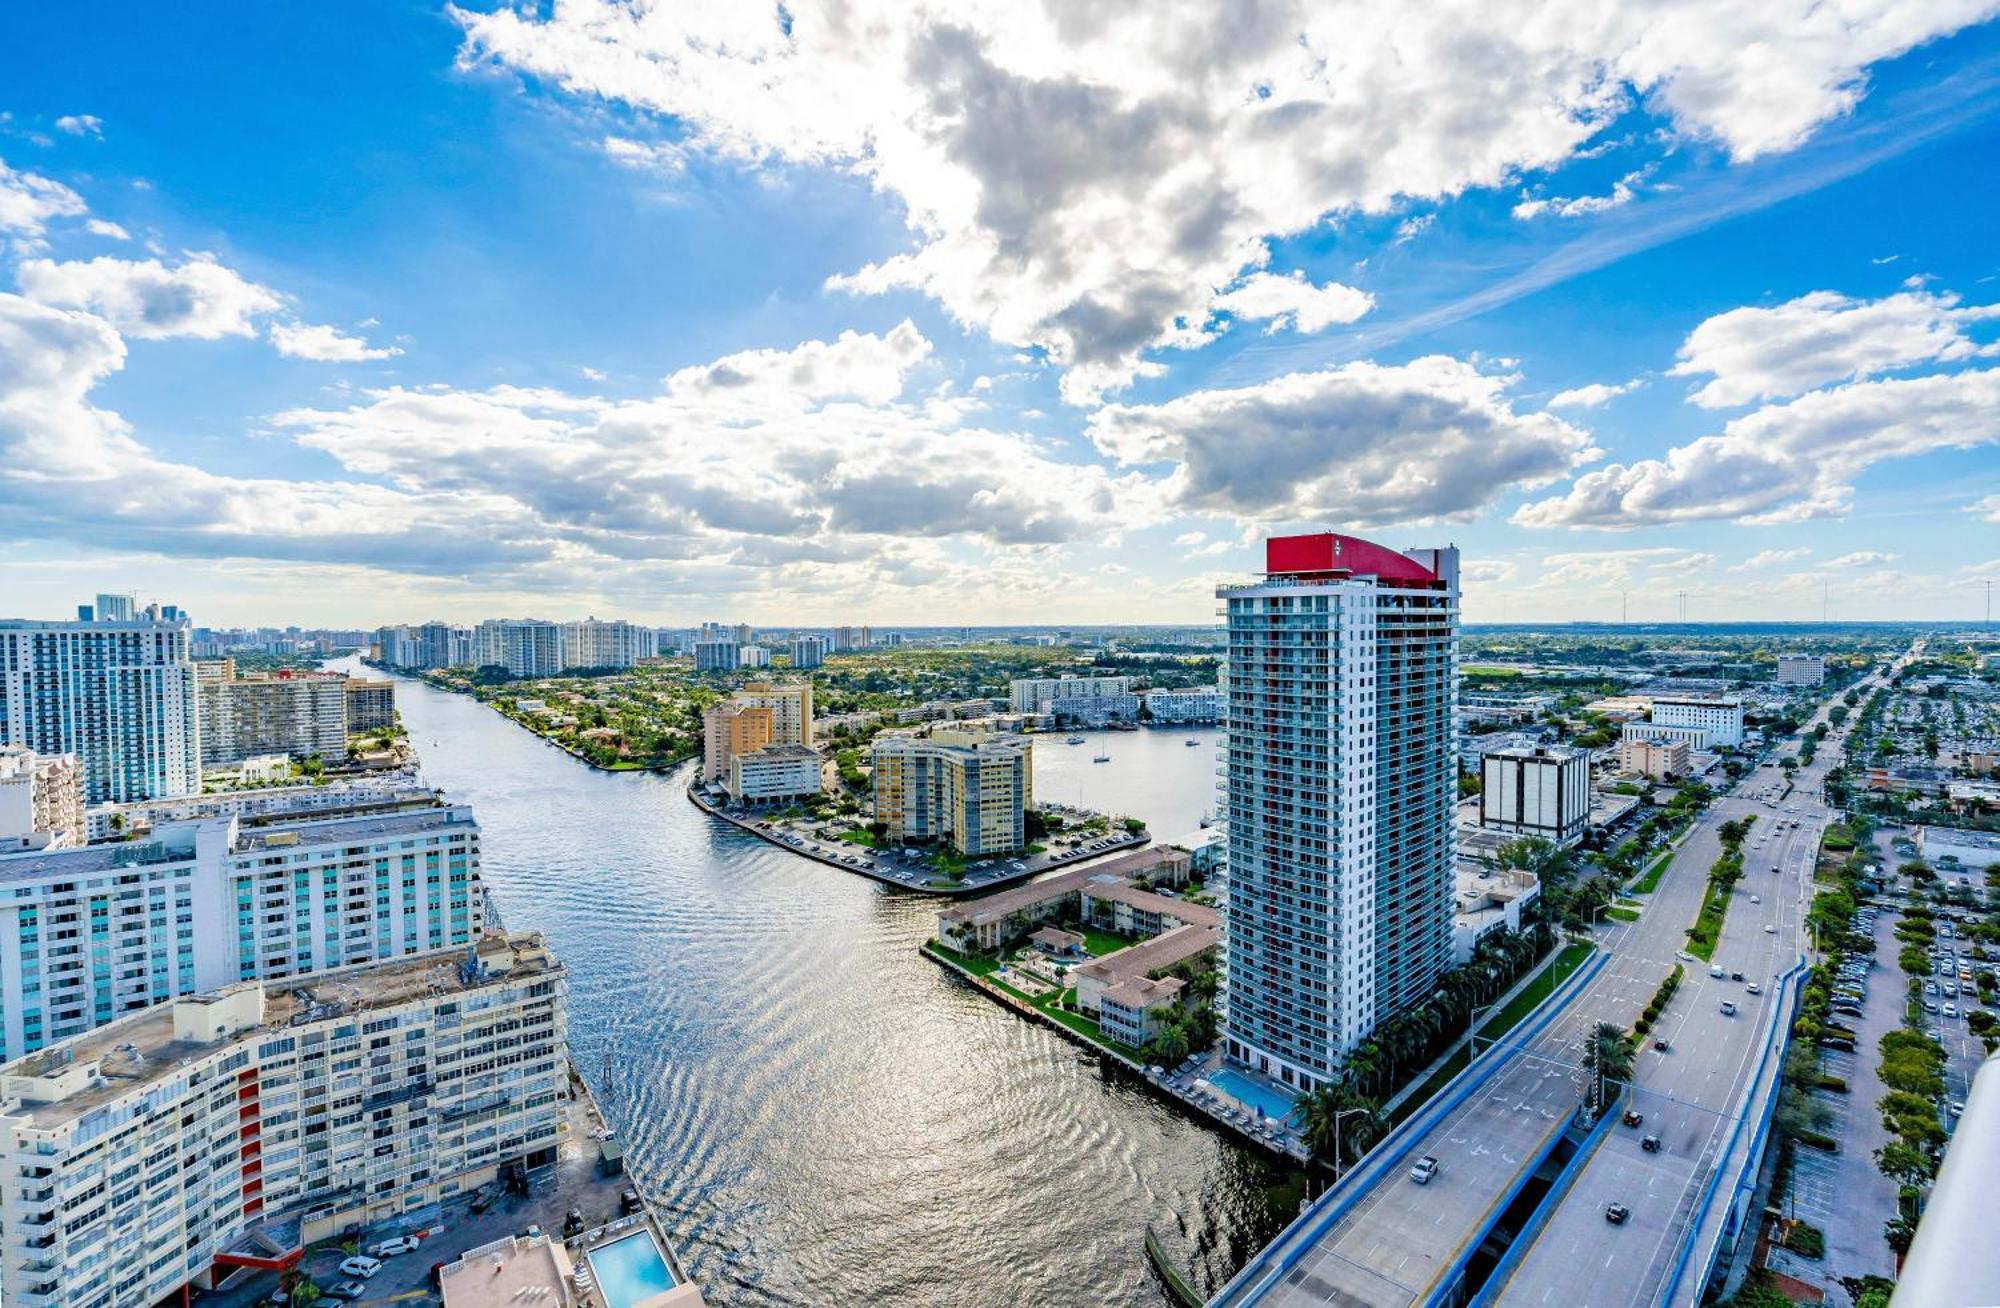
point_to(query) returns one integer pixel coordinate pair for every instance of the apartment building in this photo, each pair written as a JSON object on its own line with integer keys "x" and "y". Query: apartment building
{"x": 152, "y": 1155}
{"x": 431, "y": 645}
{"x": 730, "y": 729}
{"x": 1801, "y": 669}
{"x": 89, "y": 934}
{"x": 526, "y": 648}
{"x": 41, "y": 799}
{"x": 852, "y": 638}
{"x": 296, "y": 713}
{"x": 118, "y": 694}
{"x": 595, "y": 644}
{"x": 791, "y": 706}
{"x": 1075, "y": 699}
{"x": 774, "y": 774}
{"x": 809, "y": 651}
{"x": 717, "y": 655}
{"x": 371, "y": 705}
{"x": 1340, "y": 782}
{"x": 1198, "y": 704}
{"x": 1662, "y": 758}
{"x": 753, "y": 656}
{"x": 1543, "y": 791}
{"x": 1720, "y": 716}
{"x": 971, "y": 790}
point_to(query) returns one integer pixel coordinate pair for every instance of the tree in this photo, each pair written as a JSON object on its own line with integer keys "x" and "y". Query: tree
{"x": 1339, "y": 1122}
{"x": 1904, "y": 1164}
{"x": 1899, "y": 1231}
{"x": 1608, "y": 1058}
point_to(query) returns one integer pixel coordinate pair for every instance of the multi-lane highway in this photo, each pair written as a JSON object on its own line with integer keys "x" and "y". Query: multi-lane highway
{"x": 1402, "y": 1243}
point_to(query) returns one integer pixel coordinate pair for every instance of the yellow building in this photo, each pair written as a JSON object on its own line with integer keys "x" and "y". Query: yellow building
{"x": 791, "y": 706}
{"x": 970, "y": 789}
{"x": 729, "y": 729}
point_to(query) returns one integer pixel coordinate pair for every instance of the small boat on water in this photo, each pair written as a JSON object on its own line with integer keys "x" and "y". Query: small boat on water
{"x": 1191, "y": 742}
{"x": 1101, "y": 758}
{"x": 1073, "y": 740}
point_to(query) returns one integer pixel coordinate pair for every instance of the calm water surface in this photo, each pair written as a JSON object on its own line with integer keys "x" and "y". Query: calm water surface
{"x": 824, "y": 1116}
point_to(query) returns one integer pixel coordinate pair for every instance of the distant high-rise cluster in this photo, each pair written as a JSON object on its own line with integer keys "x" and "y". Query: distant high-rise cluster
{"x": 1341, "y": 773}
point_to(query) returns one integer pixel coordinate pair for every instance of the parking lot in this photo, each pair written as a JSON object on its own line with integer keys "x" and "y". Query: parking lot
{"x": 573, "y": 1182}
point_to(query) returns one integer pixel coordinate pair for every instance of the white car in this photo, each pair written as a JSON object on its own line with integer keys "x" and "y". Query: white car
{"x": 400, "y": 1244}
{"x": 360, "y": 1267}
{"x": 1770, "y": 930}
{"x": 1425, "y": 1168}
{"x": 1951, "y": 1010}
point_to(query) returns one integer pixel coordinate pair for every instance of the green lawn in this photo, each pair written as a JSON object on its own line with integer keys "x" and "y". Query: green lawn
{"x": 1100, "y": 943}
{"x": 1707, "y": 930}
{"x": 985, "y": 967}
{"x": 862, "y": 838}
{"x": 1617, "y": 914}
{"x": 1650, "y": 882}
{"x": 1517, "y": 1009}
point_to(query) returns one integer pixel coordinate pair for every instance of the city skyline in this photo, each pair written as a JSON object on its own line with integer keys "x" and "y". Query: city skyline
{"x": 661, "y": 317}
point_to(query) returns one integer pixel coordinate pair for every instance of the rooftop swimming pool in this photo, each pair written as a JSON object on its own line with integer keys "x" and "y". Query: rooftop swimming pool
{"x": 1241, "y": 1088}
{"x": 630, "y": 1270}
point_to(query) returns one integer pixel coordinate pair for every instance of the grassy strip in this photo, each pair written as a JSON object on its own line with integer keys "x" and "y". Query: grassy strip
{"x": 1617, "y": 914}
{"x": 1707, "y": 930}
{"x": 1517, "y": 1009}
{"x": 1647, "y": 884}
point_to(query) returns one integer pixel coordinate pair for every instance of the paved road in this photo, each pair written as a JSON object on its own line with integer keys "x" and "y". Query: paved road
{"x": 1692, "y": 1097}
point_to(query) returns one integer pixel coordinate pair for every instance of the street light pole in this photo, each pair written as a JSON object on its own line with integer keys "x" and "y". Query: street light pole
{"x": 1338, "y": 1117}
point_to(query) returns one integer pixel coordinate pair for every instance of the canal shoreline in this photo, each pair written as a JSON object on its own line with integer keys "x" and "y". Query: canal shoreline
{"x": 1138, "y": 1070}
{"x": 1123, "y": 845}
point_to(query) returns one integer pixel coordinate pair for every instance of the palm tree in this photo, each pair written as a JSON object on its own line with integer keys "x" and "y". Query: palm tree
{"x": 1609, "y": 1058}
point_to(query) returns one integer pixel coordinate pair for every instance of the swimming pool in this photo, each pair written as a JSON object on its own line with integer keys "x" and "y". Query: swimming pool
{"x": 630, "y": 1270}
{"x": 1241, "y": 1088}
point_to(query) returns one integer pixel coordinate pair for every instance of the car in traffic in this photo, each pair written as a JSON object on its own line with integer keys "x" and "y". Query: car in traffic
{"x": 1728, "y": 1008}
{"x": 1753, "y": 988}
{"x": 1424, "y": 1169}
{"x": 1616, "y": 1214}
{"x": 1632, "y": 1117}
{"x": 1651, "y": 1144}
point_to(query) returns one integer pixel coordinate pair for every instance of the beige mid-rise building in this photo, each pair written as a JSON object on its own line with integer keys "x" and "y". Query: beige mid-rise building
{"x": 41, "y": 799}
{"x": 969, "y": 789}
{"x": 1662, "y": 758}
{"x": 729, "y": 729}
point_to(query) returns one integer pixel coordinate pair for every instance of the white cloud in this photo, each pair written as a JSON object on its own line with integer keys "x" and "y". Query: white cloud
{"x": 1412, "y": 227}
{"x": 859, "y": 366}
{"x": 1753, "y": 354}
{"x": 28, "y": 201}
{"x": 1189, "y": 539}
{"x": 1293, "y": 302}
{"x": 324, "y": 344}
{"x": 1764, "y": 560}
{"x": 657, "y": 156}
{"x": 1591, "y": 396}
{"x": 80, "y": 124}
{"x": 1623, "y": 192}
{"x": 1076, "y": 179}
{"x": 111, "y": 230}
{"x": 1784, "y": 462}
{"x": 1361, "y": 444}
{"x": 1988, "y": 508}
{"x": 147, "y": 299}
{"x": 1861, "y": 559}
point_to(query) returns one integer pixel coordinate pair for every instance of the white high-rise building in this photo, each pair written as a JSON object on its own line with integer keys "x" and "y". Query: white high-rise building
{"x": 41, "y": 799}
{"x": 1079, "y": 699}
{"x": 118, "y": 695}
{"x": 809, "y": 651}
{"x": 1340, "y": 783}
{"x": 1541, "y": 791}
{"x": 89, "y": 934}
{"x": 1721, "y": 717}
{"x": 116, "y": 608}
{"x": 526, "y": 648}
{"x": 136, "y": 1160}
{"x": 1801, "y": 669}
{"x": 595, "y": 644}
{"x": 301, "y": 714}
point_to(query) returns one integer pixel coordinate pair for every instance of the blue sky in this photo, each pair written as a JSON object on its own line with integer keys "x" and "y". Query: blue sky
{"x": 994, "y": 313}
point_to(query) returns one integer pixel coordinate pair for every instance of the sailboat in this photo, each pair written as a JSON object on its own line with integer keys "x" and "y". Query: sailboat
{"x": 1101, "y": 758}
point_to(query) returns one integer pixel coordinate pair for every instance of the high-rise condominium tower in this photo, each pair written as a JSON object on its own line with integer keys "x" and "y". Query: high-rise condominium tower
{"x": 1340, "y": 779}
{"x": 118, "y": 694}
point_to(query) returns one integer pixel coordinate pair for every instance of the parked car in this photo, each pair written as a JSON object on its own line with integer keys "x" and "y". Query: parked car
{"x": 400, "y": 1244}
{"x": 345, "y": 1290}
{"x": 361, "y": 1267}
{"x": 1425, "y": 1168}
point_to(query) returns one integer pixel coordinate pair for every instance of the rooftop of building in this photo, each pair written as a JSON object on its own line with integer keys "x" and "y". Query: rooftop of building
{"x": 510, "y": 1270}
{"x": 1556, "y": 753}
{"x": 172, "y": 842}
{"x": 1111, "y": 871}
{"x": 1148, "y": 901}
{"x": 134, "y": 1051}
{"x": 1143, "y": 992}
{"x": 1162, "y": 951}
{"x": 1961, "y": 836}
{"x": 780, "y": 754}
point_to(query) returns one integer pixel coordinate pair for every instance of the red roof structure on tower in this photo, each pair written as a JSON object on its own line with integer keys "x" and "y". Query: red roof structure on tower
{"x": 1329, "y": 554}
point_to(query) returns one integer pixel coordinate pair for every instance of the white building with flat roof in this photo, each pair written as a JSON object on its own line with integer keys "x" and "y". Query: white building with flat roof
{"x": 41, "y": 799}
{"x": 1543, "y": 791}
{"x": 595, "y": 644}
{"x": 1720, "y": 716}
{"x": 1341, "y": 781}
{"x": 1075, "y": 699}
{"x": 1197, "y": 704}
{"x": 1695, "y": 738}
{"x": 774, "y": 774}
{"x": 1801, "y": 669}
{"x": 300, "y": 714}
{"x": 1972, "y": 849}
{"x": 134, "y": 1159}
{"x": 526, "y": 647}
{"x": 89, "y": 934}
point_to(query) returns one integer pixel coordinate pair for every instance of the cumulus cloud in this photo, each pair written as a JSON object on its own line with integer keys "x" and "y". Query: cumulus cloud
{"x": 1755, "y": 354}
{"x": 325, "y": 344}
{"x": 109, "y": 230}
{"x": 1592, "y": 396}
{"x": 1623, "y": 192}
{"x": 1862, "y": 559}
{"x": 1988, "y": 508}
{"x": 1364, "y": 443}
{"x": 28, "y": 201}
{"x": 1784, "y": 462}
{"x": 80, "y": 124}
{"x": 147, "y": 299}
{"x": 1293, "y": 302}
{"x": 657, "y": 156}
{"x": 1077, "y": 180}
{"x": 858, "y": 366}
{"x": 1764, "y": 560}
